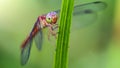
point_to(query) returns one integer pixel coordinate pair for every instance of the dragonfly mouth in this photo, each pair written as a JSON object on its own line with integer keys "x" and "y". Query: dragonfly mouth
{"x": 54, "y": 19}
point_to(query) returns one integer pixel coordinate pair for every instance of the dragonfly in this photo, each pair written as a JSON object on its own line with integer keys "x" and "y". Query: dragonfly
{"x": 49, "y": 21}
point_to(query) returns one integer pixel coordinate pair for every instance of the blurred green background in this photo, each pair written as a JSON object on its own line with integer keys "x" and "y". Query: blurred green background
{"x": 94, "y": 46}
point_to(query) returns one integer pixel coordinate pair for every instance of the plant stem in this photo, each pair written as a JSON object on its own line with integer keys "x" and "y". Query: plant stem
{"x": 61, "y": 58}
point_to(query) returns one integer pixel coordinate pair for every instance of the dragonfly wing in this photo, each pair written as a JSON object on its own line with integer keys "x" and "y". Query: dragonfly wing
{"x": 85, "y": 14}
{"x": 83, "y": 21}
{"x": 25, "y": 53}
{"x": 39, "y": 39}
{"x": 39, "y": 35}
{"x": 87, "y": 8}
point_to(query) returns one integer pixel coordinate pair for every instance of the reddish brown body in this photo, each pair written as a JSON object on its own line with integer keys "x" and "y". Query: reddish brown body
{"x": 47, "y": 20}
{"x": 36, "y": 29}
{"x": 42, "y": 22}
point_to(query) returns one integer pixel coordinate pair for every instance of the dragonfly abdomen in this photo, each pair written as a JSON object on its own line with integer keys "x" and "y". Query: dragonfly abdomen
{"x": 28, "y": 38}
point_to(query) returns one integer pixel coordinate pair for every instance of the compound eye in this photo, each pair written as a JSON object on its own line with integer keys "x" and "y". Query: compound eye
{"x": 49, "y": 19}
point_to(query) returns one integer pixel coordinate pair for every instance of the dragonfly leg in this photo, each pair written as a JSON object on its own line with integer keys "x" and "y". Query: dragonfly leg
{"x": 52, "y": 32}
{"x": 54, "y": 27}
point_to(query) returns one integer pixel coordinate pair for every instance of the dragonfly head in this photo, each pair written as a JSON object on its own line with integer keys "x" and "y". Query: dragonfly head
{"x": 51, "y": 17}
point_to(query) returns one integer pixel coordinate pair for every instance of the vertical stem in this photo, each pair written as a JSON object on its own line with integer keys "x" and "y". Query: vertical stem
{"x": 61, "y": 57}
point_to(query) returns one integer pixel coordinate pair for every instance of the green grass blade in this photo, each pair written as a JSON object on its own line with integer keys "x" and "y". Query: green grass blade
{"x": 61, "y": 57}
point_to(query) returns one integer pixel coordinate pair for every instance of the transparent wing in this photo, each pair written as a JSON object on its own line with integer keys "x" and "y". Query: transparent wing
{"x": 86, "y": 14}
{"x": 25, "y": 53}
{"x": 83, "y": 21}
{"x": 89, "y": 8}
{"x": 39, "y": 35}
{"x": 39, "y": 39}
